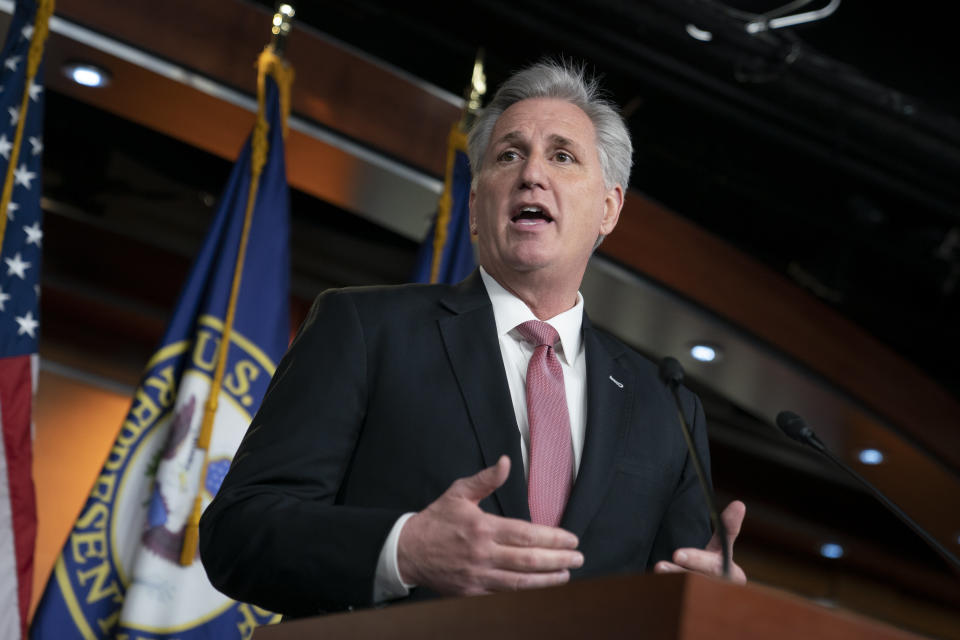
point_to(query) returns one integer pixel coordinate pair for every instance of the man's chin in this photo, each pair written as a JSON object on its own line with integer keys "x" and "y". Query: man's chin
{"x": 528, "y": 263}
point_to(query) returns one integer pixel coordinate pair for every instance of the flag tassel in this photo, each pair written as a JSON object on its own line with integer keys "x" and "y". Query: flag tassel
{"x": 456, "y": 140}
{"x": 268, "y": 63}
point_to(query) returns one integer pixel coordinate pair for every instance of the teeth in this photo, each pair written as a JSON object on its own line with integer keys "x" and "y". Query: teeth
{"x": 531, "y": 210}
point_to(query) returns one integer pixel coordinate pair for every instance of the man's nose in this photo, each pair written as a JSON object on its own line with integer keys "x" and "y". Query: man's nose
{"x": 534, "y": 172}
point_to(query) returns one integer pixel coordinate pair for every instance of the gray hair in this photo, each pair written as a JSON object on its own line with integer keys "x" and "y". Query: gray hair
{"x": 551, "y": 79}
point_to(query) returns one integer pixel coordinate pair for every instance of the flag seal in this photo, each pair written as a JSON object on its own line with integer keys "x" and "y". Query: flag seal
{"x": 156, "y": 443}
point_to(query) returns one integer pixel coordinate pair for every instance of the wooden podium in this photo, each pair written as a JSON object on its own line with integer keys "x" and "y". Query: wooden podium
{"x": 654, "y": 607}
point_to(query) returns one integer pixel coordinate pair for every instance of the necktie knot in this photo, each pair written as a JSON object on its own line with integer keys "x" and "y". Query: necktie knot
{"x": 538, "y": 333}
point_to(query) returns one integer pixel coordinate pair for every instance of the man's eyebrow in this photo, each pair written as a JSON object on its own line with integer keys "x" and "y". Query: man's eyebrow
{"x": 560, "y": 141}
{"x": 511, "y": 137}
{"x": 557, "y": 140}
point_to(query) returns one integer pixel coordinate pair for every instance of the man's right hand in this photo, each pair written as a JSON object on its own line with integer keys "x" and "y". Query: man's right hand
{"x": 455, "y": 548}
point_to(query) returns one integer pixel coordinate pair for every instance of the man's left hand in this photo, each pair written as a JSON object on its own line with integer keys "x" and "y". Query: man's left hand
{"x": 709, "y": 560}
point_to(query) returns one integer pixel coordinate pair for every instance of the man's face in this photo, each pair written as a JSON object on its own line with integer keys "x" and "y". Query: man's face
{"x": 539, "y": 202}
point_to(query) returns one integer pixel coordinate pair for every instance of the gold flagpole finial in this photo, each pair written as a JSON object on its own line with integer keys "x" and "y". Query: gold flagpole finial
{"x": 474, "y": 92}
{"x": 282, "y": 24}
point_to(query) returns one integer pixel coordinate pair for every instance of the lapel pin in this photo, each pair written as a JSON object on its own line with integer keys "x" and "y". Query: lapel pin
{"x": 616, "y": 382}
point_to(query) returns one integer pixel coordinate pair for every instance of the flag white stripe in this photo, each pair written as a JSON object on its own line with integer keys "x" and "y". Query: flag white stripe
{"x": 9, "y": 598}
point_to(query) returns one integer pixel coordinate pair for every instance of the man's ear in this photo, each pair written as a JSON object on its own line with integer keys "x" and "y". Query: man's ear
{"x": 612, "y": 204}
{"x": 473, "y": 219}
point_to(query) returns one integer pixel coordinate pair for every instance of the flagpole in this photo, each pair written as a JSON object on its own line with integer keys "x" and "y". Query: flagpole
{"x": 269, "y": 63}
{"x": 41, "y": 29}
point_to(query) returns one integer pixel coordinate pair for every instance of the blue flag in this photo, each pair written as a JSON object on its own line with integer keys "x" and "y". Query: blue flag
{"x": 21, "y": 146}
{"x": 446, "y": 254}
{"x": 128, "y": 567}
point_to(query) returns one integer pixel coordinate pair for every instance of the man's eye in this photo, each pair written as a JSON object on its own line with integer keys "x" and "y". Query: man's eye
{"x": 508, "y": 155}
{"x": 563, "y": 156}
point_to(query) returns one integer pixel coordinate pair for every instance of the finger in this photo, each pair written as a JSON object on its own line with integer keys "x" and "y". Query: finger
{"x": 499, "y": 580}
{"x": 668, "y": 567}
{"x": 532, "y": 560}
{"x": 481, "y": 484}
{"x": 707, "y": 562}
{"x": 520, "y": 533}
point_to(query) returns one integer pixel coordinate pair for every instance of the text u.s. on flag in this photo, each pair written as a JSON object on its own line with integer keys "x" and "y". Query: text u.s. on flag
{"x": 128, "y": 568}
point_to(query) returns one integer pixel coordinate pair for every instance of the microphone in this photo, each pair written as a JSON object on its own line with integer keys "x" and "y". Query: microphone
{"x": 671, "y": 372}
{"x": 796, "y": 428}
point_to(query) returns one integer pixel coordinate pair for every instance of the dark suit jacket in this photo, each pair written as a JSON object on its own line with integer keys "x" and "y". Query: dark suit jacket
{"x": 387, "y": 396}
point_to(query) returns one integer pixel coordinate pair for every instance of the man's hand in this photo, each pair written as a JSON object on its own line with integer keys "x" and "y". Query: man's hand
{"x": 709, "y": 561}
{"x": 454, "y": 547}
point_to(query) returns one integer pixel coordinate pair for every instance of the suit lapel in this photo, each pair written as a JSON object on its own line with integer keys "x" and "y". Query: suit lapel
{"x": 470, "y": 338}
{"x": 608, "y": 406}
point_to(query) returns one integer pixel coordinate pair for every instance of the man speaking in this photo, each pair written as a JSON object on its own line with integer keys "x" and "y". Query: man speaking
{"x": 427, "y": 440}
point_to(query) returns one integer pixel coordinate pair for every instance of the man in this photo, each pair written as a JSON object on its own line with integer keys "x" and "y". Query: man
{"x": 411, "y": 434}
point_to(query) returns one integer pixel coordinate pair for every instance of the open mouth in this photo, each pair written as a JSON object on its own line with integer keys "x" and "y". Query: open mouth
{"x": 532, "y": 215}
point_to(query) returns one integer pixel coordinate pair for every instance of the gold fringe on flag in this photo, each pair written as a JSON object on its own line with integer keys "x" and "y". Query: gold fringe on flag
{"x": 456, "y": 141}
{"x": 41, "y": 29}
{"x": 268, "y": 64}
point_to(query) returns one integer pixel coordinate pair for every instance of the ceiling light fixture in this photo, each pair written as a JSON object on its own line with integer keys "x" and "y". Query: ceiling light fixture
{"x": 870, "y": 456}
{"x": 699, "y": 34}
{"x": 86, "y": 74}
{"x": 831, "y": 550}
{"x": 703, "y": 352}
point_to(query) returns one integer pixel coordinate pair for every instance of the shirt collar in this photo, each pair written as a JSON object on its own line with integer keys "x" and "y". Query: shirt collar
{"x": 509, "y": 311}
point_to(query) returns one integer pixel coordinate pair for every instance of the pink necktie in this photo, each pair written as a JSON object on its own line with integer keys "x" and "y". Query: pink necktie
{"x": 551, "y": 456}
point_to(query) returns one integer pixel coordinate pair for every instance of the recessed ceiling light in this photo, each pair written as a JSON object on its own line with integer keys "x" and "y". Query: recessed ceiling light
{"x": 831, "y": 550}
{"x": 870, "y": 456}
{"x": 699, "y": 34}
{"x": 86, "y": 74}
{"x": 705, "y": 352}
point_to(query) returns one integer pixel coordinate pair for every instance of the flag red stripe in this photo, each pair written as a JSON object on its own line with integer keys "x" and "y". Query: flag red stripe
{"x": 16, "y": 400}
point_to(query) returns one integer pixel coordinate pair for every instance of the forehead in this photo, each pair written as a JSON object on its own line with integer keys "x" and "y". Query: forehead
{"x": 545, "y": 118}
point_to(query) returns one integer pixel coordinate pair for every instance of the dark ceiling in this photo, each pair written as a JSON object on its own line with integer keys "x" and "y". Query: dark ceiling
{"x": 827, "y": 151}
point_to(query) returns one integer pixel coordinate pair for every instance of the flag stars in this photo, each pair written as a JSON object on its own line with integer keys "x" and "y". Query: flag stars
{"x": 23, "y": 176}
{"x": 34, "y": 234}
{"x": 35, "y": 90}
{"x": 27, "y": 32}
{"x": 28, "y": 324}
{"x": 14, "y": 115}
{"x": 12, "y": 62}
{"x": 37, "y": 145}
{"x": 5, "y": 146}
{"x": 17, "y": 266}
{"x": 3, "y": 299}
{"x": 11, "y": 209}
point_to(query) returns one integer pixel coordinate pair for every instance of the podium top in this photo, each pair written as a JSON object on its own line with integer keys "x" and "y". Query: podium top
{"x": 652, "y": 607}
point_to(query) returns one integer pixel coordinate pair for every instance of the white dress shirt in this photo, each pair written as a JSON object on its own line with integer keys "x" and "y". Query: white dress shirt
{"x": 508, "y": 312}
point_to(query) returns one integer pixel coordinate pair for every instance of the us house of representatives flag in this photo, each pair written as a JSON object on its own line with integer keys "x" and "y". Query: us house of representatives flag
{"x": 446, "y": 254}
{"x": 129, "y": 568}
{"x": 21, "y": 239}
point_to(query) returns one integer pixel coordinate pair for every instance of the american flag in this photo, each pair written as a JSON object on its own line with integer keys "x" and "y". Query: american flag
{"x": 20, "y": 254}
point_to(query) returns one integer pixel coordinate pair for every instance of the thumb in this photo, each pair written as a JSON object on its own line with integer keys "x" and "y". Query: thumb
{"x": 481, "y": 484}
{"x": 732, "y": 517}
